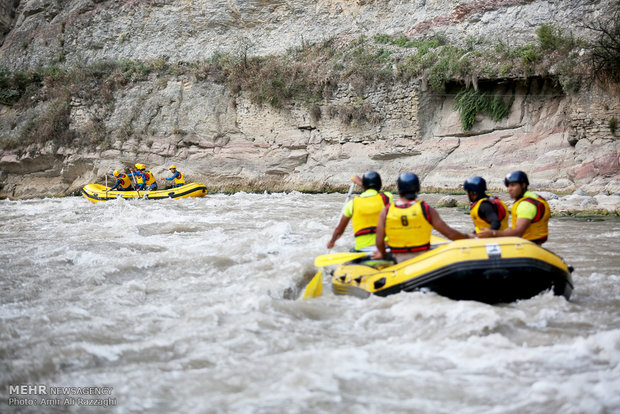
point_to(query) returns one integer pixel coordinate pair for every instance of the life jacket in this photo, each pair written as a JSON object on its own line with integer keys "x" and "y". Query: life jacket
{"x": 500, "y": 209}
{"x": 150, "y": 178}
{"x": 180, "y": 179}
{"x": 125, "y": 181}
{"x": 366, "y": 211}
{"x": 538, "y": 230}
{"x": 408, "y": 227}
{"x": 139, "y": 177}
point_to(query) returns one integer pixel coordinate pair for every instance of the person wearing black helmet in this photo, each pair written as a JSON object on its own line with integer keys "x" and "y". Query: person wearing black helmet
{"x": 363, "y": 212}
{"x": 407, "y": 223}
{"x": 487, "y": 212}
{"x": 530, "y": 212}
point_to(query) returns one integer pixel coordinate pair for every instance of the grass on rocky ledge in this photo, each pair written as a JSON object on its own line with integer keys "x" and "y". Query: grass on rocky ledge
{"x": 307, "y": 75}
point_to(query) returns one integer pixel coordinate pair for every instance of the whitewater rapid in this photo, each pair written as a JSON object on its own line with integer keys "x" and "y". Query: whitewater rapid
{"x": 192, "y": 306}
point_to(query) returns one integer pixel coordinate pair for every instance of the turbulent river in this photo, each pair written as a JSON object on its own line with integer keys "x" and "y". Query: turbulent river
{"x": 192, "y": 306}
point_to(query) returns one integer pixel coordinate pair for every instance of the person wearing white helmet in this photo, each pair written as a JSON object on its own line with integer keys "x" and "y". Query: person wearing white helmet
{"x": 177, "y": 177}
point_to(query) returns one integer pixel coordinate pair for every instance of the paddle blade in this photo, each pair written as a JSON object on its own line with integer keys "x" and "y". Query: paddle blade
{"x": 315, "y": 287}
{"x": 337, "y": 258}
{"x": 439, "y": 240}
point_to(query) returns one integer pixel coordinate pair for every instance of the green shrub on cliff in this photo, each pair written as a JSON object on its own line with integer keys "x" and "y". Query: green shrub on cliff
{"x": 471, "y": 102}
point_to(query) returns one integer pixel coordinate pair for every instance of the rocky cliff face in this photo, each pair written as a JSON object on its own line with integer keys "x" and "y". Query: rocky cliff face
{"x": 564, "y": 141}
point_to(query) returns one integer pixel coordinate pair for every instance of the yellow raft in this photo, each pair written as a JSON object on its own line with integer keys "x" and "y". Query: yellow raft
{"x": 498, "y": 270}
{"x": 97, "y": 192}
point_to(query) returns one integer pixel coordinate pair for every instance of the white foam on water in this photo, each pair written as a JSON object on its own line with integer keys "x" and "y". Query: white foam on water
{"x": 185, "y": 306}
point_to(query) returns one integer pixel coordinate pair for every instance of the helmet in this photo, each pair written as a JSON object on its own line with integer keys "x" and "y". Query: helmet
{"x": 408, "y": 184}
{"x": 371, "y": 179}
{"x": 116, "y": 173}
{"x": 140, "y": 166}
{"x": 475, "y": 185}
{"x": 172, "y": 166}
{"x": 516, "y": 177}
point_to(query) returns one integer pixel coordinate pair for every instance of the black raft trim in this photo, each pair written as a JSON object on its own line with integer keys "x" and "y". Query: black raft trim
{"x": 490, "y": 281}
{"x": 146, "y": 197}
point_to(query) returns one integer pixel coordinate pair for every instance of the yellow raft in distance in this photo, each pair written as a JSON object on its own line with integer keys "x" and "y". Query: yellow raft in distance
{"x": 98, "y": 192}
{"x": 498, "y": 270}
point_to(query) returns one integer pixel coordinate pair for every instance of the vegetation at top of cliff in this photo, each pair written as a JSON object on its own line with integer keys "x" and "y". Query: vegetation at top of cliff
{"x": 605, "y": 52}
{"x": 311, "y": 73}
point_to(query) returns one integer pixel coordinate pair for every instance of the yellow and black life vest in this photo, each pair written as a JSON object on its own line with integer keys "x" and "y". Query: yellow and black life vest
{"x": 408, "y": 227}
{"x": 366, "y": 211}
{"x": 538, "y": 230}
{"x": 500, "y": 209}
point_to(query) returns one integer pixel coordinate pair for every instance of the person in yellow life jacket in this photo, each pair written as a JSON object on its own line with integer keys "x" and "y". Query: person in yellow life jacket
{"x": 487, "y": 212}
{"x": 123, "y": 182}
{"x": 406, "y": 224}
{"x": 363, "y": 212}
{"x": 177, "y": 176}
{"x": 144, "y": 179}
{"x": 530, "y": 212}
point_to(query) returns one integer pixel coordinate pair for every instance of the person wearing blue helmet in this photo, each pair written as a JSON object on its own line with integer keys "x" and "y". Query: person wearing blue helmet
{"x": 363, "y": 212}
{"x": 530, "y": 212}
{"x": 487, "y": 212}
{"x": 407, "y": 223}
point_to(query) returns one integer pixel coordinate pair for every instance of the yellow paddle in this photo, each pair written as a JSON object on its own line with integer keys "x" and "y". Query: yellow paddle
{"x": 439, "y": 240}
{"x": 337, "y": 258}
{"x": 315, "y": 287}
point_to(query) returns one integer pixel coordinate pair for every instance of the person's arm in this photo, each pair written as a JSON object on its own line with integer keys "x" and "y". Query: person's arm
{"x": 441, "y": 226}
{"x": 338, "y": 231}
{"x": 518, "y": 231}
{"x": 118, "y": 182}
{"x": 488, "y": 214}
{"x": 380, "y": 236}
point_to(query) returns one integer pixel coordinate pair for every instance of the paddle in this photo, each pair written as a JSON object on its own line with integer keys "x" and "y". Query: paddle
{"x": 106, "y": 186}
{"x": 439, "y": 240}
{"x": 337, "y": 258}
{"x": 315, "y": 287}
{"x": 135, "y": 182}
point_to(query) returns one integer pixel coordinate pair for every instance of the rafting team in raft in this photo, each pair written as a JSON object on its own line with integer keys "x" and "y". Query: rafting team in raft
{"x": 144, "y": 179}
{"x": 406, "y": 224}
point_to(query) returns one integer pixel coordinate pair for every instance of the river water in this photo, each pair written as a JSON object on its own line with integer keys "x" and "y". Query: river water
{"x": 191, "y": 306}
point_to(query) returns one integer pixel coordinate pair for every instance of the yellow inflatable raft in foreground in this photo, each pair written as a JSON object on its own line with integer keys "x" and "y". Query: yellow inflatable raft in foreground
{"x": 97, "y": 192}
{"x": 496, "y": 270}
